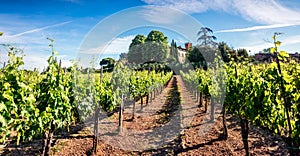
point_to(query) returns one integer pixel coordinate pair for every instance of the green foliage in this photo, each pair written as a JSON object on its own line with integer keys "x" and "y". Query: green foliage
{"x": 135, "y": 49}
{"x": 199, "y": 79}
{"x": 107, "y": 61}
{"x": 242, "y": 54}
{"x": 204, "y": 38}
{"x": 120, "y": 80}
{"x": 108, "y": 64}
{"x": 105, "y": 95}
{"x": 123, "y": 56}
{"x": 31, "y": 103}
{"x": 53, "y": 98}
{"x": 153, "y": 48}
{"x": 225, "y": 51}
{"x": 253, "y": 92}
{"x": 90, "y": 92}
{"x": 17, "y": 100}
{"x": 210, "y": 82}
{"x": 174, "y": 51}
{"x": 155, "y": 51}
{"x": 196, "y": 57}
{"x": 142, "y": 83}
{"x": 266, "y": 50}
{"x": 202, "y": 56}
{"x": 139, "y": 39}
{"x": 157, "y": 36}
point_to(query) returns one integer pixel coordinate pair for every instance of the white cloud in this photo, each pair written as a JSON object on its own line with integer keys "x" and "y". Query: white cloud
{"x": 256, "y": 28}
{"x": 190, "y": 6}
{"x": 291, "y": 40}
{"x": 261, "y": 11}
{"x": 161, "y": 15}
{"x": 260, "y": 44}
{"x": 257, "y": 47}
{"x": 116, "y": 46}
{"x": 267, "y": 11}
{"x": 119, "y": 45}
{"x": 31, "y": 37}
{"x": 38, "y": 29}
{"x": 34, "y": 60}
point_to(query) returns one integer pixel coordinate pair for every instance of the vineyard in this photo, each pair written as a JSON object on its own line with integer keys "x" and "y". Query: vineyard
{"x": 254, "y": 93}
{"x": 41, "y": 106}
{"x": 265, "y": 95}
{"x": 37, "y": 105}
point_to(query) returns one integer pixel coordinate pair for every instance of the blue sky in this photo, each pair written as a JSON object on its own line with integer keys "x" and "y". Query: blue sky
{"x": 240, "y": 23}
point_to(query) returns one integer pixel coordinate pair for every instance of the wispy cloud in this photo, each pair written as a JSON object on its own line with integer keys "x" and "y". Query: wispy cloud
{"x": 256, "y": 28}
{"x": 116, "y": 46}
{"x": 258, "y": 43}
{"x": 190, "y": 6}
{"x": 40, "y": 62}
{"x": 39, "y": 29}
{"x": 30, "y": 36}
{"x": 267, "y": 11}
{"x": 260, "y": 11}
{"x": 154, "y": 15}
{"x": 291, "y": 40}
{"x": 257, "y": 47}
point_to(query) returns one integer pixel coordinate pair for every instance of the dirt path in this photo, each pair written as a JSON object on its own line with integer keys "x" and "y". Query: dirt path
{"x": 172, "y": 124}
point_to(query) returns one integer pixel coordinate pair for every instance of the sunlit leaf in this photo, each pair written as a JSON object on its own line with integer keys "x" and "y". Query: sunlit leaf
{"x": 272, "y": 50}
{"x": 2, "y": 120}
{"x": 283, "y": 54}
{"x": 277, "y": 43}
{"x": 2, "y": 107}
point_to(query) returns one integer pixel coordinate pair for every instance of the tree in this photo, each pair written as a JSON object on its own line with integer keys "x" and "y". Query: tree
{"x": 266, "y": 50}
{"x": 174, "y": 51}
{"x": 139, "y": 39}
{"x": 156, "y": 47}
{"x": 242, "y": 54}
{"x": 108, "y": 64}
{"x": 225, "y": 51}
{"x": 204, "y": 38}
{"x": 123, "y": 56}
{"x": 157, "y": 36}
{"x": 135, "y": 49}
{"x": 155, "y": 51}
{"x": 195, "y": 56}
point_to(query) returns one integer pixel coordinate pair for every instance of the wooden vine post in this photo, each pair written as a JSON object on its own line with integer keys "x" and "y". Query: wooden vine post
{"x": 96, "y": 120}
{"x": 286, "y": 105}
{"x": 200, "y": 99}
{"x": 121, "y": 115}
{"x": 225, "y": 132}
{"x": 133, "y": 108}
{"x": 243, "y": 122}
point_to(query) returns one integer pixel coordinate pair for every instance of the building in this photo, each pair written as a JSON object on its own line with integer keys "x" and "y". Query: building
{"x": 295, "y": 56}
{"x": 267, "y": 57}
{"x": 263, "y": 57}
{"x": 182, "y": 52}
